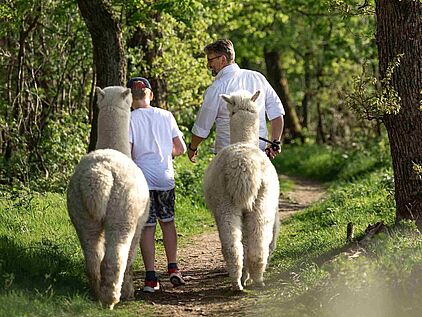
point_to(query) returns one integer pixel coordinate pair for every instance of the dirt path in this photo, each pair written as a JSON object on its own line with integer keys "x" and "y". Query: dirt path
{"x": 208, "y": 292}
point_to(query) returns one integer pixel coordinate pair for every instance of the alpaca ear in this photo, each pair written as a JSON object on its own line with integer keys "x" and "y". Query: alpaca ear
{"x": 256, "y": 95}
{"x": 126, "y": 93}
{"x": 100, "y": 94}
{"x": 226, "y": 98}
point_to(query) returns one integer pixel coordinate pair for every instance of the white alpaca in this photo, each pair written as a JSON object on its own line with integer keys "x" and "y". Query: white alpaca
{"x": 108, "y": 201}
{"x": 241, "y": 189}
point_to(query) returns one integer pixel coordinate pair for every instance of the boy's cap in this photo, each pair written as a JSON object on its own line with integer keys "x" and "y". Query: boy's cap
{"x": 138, "y": 83}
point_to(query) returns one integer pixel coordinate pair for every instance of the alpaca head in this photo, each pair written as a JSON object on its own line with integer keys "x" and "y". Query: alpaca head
{"x": 114, "y": 96}
{"x": 113, "y": 118}
{"x": 244, "y": 116}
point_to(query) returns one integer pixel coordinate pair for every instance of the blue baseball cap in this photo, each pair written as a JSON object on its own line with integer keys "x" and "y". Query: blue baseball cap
{"x": 138, "y": 83}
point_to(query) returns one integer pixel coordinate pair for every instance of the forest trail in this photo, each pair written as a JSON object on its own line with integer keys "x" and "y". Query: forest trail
{"x": 208, "y": 292}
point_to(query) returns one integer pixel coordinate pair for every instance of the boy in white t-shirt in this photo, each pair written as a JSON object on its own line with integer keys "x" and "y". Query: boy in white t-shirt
{"x": 155, "y": 139}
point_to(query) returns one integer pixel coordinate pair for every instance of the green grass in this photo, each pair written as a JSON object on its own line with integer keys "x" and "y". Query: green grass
{"x": 41, "y": 264}
{"x": 325, "y": 163}
{"x": 309, "y": 276}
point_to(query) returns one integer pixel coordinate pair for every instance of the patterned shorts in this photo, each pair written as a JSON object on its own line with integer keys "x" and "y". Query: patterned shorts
{"x": 161, "y": 206}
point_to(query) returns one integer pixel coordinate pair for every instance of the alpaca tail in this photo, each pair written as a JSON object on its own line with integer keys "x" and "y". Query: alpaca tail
{"x": 97, "y": 195}
{"x": 90, "y": 188}
{"x": 243, "y": 180}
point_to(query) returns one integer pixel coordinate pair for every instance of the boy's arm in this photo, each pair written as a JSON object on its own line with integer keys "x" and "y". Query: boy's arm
{"x": 179, "y": 146}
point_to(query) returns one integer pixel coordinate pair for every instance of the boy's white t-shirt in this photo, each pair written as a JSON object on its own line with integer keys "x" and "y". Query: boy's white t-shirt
{"x": 151, "y": 132}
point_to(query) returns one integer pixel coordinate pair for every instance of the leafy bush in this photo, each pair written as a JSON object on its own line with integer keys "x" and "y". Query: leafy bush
{"x": 326, "y": 163}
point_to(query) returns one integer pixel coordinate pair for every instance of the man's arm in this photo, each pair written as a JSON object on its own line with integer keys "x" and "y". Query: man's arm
{"x": 193, "y": 147}
{"x": 277, "y": 125}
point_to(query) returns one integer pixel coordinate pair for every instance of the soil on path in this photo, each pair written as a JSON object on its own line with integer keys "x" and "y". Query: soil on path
{"x": 208, "y": 292}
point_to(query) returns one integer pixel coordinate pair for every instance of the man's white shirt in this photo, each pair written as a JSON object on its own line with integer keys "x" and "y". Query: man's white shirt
{"x": 151, "y": 132}
{"x": 230, "y": 79}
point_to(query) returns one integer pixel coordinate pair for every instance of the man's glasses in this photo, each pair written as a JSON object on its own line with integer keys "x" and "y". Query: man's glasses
{"x": 211, "y": 59}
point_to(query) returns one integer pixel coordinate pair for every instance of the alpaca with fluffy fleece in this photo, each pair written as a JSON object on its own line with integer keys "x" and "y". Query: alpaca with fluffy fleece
{"x": 108, "y": 201}
{"x": 241, "y": 189}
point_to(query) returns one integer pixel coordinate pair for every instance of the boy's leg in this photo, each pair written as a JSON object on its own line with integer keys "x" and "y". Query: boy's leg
{"x": 148, "y": 247}
{"x": 147, "y": 243}
{"x": 148, "y": 256}
{"x": 170, "y": 240}
{"x": 170, "y": 245}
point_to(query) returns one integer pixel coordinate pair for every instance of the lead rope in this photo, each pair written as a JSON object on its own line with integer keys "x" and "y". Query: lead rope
{"x": 275, "y": 145}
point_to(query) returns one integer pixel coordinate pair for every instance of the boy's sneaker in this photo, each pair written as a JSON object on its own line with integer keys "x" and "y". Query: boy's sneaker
{"x": 151, "y": 286}
{"x": 176, "y": 277}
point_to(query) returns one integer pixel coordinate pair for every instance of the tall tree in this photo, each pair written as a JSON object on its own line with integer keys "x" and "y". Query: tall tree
{"x": 399, "y": 31}
{"x": 107, "y": 42}
{"x": 278, "y": 80}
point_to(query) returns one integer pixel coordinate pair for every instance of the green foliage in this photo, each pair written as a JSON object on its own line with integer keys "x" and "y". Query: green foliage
{"x": 175, "y": 39}
{"x": 43, "y": 87}
{"x": 371, "y": 98}
{"x": 61, "y": 148}
{"x": 6, "y": 12}
{"x": 328, "y": 163}
{"x": 192, "y": 214}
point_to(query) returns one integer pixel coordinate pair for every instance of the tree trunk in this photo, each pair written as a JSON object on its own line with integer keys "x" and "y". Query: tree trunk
{"x": 320, "y": 136}
{"x": 308, "y": 90}
{"x": 399, "y": 31}
{"x": 149, "y": 43}
{"x": 279, "y": 82}
{"x": 109, "y": 57}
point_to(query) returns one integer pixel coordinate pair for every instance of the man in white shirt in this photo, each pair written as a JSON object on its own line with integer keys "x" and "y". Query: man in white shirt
{"x": 155, "y": 139}
{"x": 229, "y": 78}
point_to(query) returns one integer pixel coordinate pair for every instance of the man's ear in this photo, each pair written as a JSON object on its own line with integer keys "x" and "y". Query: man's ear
{"x": 151, "y": 95}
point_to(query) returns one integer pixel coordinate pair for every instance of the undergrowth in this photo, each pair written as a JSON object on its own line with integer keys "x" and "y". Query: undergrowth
{"x": 42, "y": 268}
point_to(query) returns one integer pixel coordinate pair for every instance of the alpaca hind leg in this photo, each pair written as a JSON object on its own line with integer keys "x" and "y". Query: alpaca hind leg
{"x": 118, "y": 237}
{"x": 91, "y": 237}
{"x": 276, "y": 231}
{"x": 258, "y": 236}
{"x": 230, "y": 231}
{"x": 127, "y": 287}
{"x": 245, "y": 269}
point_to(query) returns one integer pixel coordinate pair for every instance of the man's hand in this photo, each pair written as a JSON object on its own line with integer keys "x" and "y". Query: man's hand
{"x": 192, "y": 153}
{"x": 273, "y": 150}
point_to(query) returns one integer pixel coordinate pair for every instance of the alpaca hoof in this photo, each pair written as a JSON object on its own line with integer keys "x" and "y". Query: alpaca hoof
{"x": 128, "y": 293}
{"x": 108, "y": 301}
{"x": 245, "y": 279}
{"x": 237, "y": 286}
{"x": 258, "y": 285}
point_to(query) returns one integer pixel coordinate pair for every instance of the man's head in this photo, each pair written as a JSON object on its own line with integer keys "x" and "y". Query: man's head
{"x": 219, "y": 55}
{"x": 140, "y": 88}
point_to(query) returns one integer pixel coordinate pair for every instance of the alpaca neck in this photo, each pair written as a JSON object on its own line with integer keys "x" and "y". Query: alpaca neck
{"x": 113, "y": 130}
{"x": 240, "y": 131}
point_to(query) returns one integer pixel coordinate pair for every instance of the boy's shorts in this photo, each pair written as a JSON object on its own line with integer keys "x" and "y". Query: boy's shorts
{"x": 161, "y": 206}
